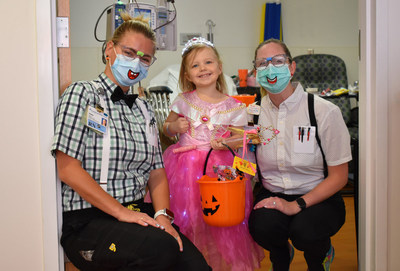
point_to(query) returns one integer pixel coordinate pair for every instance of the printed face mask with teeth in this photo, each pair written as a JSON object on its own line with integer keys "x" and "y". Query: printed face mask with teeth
{"x": 128, "y": 71}
{"x": 274, "y": 79}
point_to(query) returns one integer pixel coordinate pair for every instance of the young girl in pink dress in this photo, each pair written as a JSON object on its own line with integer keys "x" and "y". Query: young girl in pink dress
{"x": 201, "y": 116}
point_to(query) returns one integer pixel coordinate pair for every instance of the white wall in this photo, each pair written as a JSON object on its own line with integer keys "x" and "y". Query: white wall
{"x": 326, "y": 26}
{"x": 21, "y": 224}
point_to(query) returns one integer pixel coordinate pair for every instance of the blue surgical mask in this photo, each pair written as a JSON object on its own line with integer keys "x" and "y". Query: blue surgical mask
{"x": 274, "y": 79}
{"x": 128, "y": 71}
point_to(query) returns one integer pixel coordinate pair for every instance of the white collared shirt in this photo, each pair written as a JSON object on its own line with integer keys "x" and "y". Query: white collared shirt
{"x": 283, "y": 169}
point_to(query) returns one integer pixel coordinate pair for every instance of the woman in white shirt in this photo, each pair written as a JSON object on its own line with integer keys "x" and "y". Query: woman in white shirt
{"x": 297, "y": 200}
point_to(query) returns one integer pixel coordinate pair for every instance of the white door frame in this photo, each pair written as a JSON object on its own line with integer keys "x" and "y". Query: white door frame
{"x": 53, "y": 258}
{"x": 373, "y": 131}
{"x": 373, "y": 166}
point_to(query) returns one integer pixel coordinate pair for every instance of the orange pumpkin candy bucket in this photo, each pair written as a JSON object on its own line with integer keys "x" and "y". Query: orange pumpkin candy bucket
{"x": 222, "y": 202}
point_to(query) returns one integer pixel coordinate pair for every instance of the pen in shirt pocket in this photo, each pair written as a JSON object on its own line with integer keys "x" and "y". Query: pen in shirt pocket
{"x": 299, "y": 132}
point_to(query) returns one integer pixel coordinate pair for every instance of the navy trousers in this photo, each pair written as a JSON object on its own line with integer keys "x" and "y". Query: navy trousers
{"x": 309, "y": 230}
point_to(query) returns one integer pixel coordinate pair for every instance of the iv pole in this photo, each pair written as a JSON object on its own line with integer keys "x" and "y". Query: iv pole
{"x": 210, "y": 35}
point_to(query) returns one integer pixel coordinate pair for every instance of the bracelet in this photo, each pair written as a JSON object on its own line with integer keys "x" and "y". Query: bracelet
{"x": 167, "y": 130}
{"x": 165, "y": 212}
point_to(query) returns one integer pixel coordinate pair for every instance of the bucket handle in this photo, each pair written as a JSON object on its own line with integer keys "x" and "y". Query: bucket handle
{"x": 208, "y": 155}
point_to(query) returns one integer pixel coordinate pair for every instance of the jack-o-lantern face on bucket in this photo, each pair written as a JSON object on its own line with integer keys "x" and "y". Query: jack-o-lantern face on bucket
{"x": 210, "y": 208}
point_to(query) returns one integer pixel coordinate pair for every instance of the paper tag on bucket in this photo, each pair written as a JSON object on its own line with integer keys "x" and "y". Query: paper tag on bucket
{"x": 254, "y": 109}
{"x": 244, "y": 166}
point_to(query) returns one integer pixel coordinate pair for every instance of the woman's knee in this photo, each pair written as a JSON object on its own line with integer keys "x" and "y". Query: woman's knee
{"x": 191, "y": 258}
{"x": 255, "y": 223}
{"x": 166, "y": 248}
{"x": 311, "y": 229}
{"x": 304, "y": 231}
{"x": 262, "y": 226}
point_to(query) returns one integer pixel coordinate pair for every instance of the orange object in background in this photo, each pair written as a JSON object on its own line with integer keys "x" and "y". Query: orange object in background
{"x": 243, "y": 77}
{"x": 246, "y": 98}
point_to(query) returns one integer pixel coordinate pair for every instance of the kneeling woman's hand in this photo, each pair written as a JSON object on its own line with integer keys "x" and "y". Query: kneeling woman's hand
{"x": 282, "y": 205}
{"x": 166, "y": 224}
{"x": 140, "y": 218}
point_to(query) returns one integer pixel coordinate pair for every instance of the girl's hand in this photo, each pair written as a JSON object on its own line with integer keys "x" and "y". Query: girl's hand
{"x": 284, "y": 206}
{"x": 217, "y": 144}
{"x": 181, "y": 125}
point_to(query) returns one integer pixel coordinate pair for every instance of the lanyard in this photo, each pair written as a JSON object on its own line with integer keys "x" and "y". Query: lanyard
{"x": 105, "y": 157}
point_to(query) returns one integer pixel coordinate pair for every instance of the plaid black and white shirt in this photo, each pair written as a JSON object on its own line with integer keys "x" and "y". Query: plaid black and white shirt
{"x": 132, "y": 158}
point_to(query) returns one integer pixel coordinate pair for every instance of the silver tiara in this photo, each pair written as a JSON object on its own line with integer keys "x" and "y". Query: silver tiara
{"x": 194, "y": 41}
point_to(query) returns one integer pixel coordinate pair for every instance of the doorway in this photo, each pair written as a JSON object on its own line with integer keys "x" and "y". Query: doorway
{"x": 377, "y": 166}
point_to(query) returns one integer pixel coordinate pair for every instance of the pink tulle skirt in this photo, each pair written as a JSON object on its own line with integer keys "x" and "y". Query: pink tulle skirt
{"x": 225, "y": 248}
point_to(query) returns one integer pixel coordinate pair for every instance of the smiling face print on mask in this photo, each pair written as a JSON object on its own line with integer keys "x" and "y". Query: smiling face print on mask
{"x": 128, "y": 71}
{"x": 129, "y": 58}
{"x": 274, "y": 79}
{"x": 274, "y": 71}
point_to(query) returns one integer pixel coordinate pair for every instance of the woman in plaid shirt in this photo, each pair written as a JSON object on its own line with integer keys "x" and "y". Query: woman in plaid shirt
{"x": 107, "y": 151}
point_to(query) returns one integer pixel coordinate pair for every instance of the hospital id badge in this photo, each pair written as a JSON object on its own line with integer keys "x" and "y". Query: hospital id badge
{"x": 95, "y": 119}
{"x": 244, "y": 166}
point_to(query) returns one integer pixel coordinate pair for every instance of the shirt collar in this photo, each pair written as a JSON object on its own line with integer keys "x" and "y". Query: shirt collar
{"x": 109, "y": 85}
{"x": 292, "y": 100}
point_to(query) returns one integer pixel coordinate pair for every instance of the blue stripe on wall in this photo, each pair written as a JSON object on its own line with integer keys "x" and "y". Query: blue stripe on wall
{"x": 272, "y": 20}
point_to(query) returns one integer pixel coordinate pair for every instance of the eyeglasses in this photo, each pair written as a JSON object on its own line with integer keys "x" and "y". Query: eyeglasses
{"x": 146, "y": 60}
{"x": 277, "y": 61}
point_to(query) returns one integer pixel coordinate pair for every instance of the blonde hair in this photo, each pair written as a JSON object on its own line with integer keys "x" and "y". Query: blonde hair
{"x": 185, "y": 84}
{"x": 137, "y": 25}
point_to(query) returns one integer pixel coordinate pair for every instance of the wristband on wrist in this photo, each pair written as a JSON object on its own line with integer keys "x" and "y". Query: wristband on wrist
{"x": 167, "y": 130}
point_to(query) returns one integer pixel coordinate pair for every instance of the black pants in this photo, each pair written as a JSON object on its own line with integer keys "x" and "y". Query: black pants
{"x": 96, "y": 241}
{"x": 309, "y": 230}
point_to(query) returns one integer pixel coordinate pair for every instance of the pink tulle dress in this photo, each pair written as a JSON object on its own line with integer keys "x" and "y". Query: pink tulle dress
{"x": 225, "y": 248}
